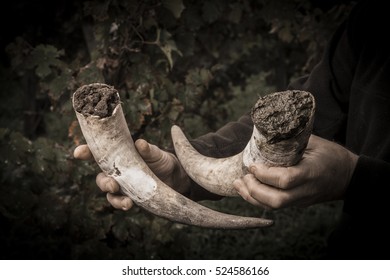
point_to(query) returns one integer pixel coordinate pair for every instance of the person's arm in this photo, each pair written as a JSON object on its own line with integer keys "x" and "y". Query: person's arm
{"x": 331, "y": 82}
{"x": 226, "y": 141}
{"x": 356, "y": 58}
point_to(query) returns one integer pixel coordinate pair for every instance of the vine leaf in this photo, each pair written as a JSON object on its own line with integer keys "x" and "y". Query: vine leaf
{"x": 176, "y": 7}
{"x": 167, "y": 46}
{"x": 212, "y": 10}
{"x": 43, "y": 57}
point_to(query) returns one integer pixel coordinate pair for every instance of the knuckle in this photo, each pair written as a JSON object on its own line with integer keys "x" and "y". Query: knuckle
{"x": 245, "y": 196}
{"x": 248, "y": 179}
{"x": 280, "y": 201}
{"x": 106, "y": 184}
{"x": 286, "y": 181}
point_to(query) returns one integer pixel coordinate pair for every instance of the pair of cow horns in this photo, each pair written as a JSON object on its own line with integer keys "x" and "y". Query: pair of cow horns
{"x": 282, "y": 124}
{"x": 104, "y": 127}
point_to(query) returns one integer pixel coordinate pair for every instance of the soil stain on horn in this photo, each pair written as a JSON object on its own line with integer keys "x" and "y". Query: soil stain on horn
{"x": 282, "y": 124}
{"x": 102, "y": 122}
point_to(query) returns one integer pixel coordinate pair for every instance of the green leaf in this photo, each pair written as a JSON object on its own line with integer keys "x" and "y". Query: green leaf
{"x": 212, "y": 10}
{"x": 19, "y": 143}
{"x": 90, "y": 73}
{"x": 97, "y": 9}
{"x": 199, "y": 77}
{"x": 17, "y": 202}
{"x": 121, "y": 230}
{"x": 176, "y": 109}
{"x": 43, "y": 57}
{"x": 236, "y": 13}
{"x": 193, "y": 17}
{"x": 176, "y": 7}
{"x": 17, "y": 52}
{"x": 50, "y": 211}
{"x": 285, "y": 34}
{"x": 60, "y": 84}
{"x": 168, "y": 46}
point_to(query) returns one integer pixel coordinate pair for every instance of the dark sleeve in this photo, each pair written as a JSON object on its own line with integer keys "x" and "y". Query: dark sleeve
{"x": 357, "y": 56}
{"x": 330, "y": 82}
{"x": 228, "y": 140}
{"x": 367, "y": 195}
{"x": 359, "y": 195}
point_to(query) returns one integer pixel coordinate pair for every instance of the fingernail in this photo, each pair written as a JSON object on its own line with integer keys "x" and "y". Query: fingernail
{"x": 252, "y": 169}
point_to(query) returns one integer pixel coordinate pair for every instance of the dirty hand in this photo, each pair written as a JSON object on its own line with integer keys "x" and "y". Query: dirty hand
{"x": 164, "y": 164}
{"x": 322, "y": 175}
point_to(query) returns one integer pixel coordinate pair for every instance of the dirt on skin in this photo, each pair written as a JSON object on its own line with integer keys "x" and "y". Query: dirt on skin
{"x": 96, "y": 100}
{"x": 283, "y": 115}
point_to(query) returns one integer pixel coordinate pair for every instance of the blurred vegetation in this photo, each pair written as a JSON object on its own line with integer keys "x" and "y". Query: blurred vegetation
{"x": 198, "y": 64}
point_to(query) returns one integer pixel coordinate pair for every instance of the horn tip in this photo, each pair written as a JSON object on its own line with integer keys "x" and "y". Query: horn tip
{"x": 266, "y": 222}
{"x": 175, "y": 128}
{"x": 256, "y": 223}
{"x": 176, "y": 131}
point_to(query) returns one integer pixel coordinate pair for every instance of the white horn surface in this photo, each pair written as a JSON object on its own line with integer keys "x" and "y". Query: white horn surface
{"x": 282, "y": 126}
{"x": 214, "y": 174}
{"x": 112, "y": 146}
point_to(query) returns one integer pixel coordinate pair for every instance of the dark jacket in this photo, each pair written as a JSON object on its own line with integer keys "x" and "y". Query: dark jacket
{"x": 351, "y": 85}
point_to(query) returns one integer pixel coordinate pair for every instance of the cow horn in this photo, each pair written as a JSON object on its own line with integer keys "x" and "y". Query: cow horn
{"x": 282, "y": 124}
{"x": 102, "y": 122}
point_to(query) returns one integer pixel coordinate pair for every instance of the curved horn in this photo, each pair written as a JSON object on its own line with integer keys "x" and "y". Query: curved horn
{"x": 214, "y": 174}
{"x": 283, "y": 123}
{"x": 105, "y": 129}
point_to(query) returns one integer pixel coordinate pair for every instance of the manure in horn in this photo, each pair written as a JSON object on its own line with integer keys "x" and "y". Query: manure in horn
{"x": 102, "y": 122}
{"x": 282, "y": 124}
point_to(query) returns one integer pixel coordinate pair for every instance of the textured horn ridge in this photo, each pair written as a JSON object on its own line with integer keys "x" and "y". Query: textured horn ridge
{"x": 283, "y": 123}
{"x": 104, "y": 127}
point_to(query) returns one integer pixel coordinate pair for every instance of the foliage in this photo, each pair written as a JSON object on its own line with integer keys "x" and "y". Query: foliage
{"x": 198, "y": 64}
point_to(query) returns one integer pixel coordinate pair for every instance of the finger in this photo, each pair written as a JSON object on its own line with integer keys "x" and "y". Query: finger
{"x": 107, "y": 184}
{"x": 120, "y": 201}
{"x": 280, "y": 177}
{"x": 241, "y": 189}
{"x": 264, "y": 194}
{"x": 82, "y": 152}
{"x": 142, "y": 147}
{"x": 150, "y": 153}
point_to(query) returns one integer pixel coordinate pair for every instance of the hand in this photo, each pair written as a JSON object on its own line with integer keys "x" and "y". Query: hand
{"x": 322, "y": 175}
{"x": 164, "y": 164}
